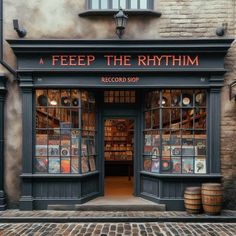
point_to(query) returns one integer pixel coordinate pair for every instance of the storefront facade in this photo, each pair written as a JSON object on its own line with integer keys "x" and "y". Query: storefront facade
{"x": 168, "y": 91}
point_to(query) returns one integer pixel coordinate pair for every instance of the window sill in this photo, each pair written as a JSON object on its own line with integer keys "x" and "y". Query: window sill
{"x": 111, "y": 12}
{"x": 181, "y": 175}
{"x": 38, "y": 175}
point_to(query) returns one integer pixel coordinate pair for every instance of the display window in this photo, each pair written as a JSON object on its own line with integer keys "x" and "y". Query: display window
{"x": 64, "y": 131}
{"x": 175, "y": 132}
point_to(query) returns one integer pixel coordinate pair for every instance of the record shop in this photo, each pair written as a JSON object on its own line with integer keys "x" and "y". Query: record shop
{"x": 97, "y": 114}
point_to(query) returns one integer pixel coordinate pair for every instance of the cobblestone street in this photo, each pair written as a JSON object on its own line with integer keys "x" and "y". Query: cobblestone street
{"x": 112, "y": 229}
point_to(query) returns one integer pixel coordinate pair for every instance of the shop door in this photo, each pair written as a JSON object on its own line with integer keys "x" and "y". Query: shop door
{"x": 118, "y": 157}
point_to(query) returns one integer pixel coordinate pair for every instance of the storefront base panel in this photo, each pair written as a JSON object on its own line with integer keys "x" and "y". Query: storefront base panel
{"x": 169, "y": 189}
{"x": 2, "y": 201}
{"x": 61, "y": 204}
{"x": 58, "y": 190}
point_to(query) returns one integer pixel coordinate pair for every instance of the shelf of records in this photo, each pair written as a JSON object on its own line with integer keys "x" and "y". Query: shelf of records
{"x": 63, "y": 149}
{"x": 68, "y": 119}
{"x": 118, "y": 155}
{"x": 175, "y": 165}
{"x": 64, "y": 165}
{"x": 178, "y": 153}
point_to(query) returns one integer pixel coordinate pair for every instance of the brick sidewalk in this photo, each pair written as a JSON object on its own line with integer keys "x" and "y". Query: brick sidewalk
{"x": 118, "y": 229}
{"x": 112, "y": 216}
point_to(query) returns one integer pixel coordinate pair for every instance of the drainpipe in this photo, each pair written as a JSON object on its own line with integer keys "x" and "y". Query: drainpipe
{"x": 2, "y": 62}
{"x": 2, "y": 99}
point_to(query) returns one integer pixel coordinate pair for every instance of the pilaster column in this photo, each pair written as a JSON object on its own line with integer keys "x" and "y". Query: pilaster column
{"x": 214, "y": 123}
{"x": 26, "y": 85}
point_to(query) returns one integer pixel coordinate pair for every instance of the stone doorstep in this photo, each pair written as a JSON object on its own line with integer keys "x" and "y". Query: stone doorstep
{"x": 104, "y": 207}
{"x": 113, "y": 204}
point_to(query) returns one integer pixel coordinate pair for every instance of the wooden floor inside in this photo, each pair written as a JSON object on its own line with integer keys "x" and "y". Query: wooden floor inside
{"x": 118, "y": 196}
{"x": 118, "y": 186}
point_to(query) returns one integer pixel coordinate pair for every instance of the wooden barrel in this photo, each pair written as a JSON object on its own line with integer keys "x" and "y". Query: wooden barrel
{"x": 212, "y": 196}
{"x": 192, "y": 200}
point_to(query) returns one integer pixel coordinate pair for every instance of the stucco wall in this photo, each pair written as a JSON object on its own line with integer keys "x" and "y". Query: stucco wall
{"x": 59, "y": 19}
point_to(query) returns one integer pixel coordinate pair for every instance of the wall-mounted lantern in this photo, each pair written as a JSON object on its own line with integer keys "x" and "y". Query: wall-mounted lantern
{"x": 121, "y": 21}
{"x": 232, "y": 90}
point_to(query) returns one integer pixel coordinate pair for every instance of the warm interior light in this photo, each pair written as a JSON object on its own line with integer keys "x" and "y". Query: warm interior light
{"x": 53, "y": 102}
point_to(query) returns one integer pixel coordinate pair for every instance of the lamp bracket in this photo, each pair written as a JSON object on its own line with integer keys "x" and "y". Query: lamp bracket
{"x": 21, "y": 32}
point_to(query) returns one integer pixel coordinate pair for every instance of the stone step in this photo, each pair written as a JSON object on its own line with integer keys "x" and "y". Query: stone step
{"x": 113, "y": 204}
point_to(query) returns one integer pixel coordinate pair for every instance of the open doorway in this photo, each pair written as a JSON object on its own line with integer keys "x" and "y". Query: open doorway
{"x": 118, "y": 157}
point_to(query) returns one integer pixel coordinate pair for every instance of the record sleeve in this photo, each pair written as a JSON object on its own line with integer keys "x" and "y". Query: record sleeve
{"x": 84, "y": 164}
{"x": 65, "y": 165}
{"x": 41, "y": 139}
{"x": 41, "y": 150}
{"x": 40, "y": 164}
{"x": 74, "y": 165}
{"x": 200, "y": 165}
{"x": 54, "y": 165}
{"x": 155, "y": 165}
{"x": 147, "y": 164}
{"x": 176, "y": 164}
{"x": 187, "y": 165}
{"x": 148, "y": 140}
{"x": 53, "y": 150}
{"x": 92, "y": 164}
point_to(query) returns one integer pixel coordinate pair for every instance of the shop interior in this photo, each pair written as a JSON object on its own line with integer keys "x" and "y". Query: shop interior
{"x": 118, "y": 155}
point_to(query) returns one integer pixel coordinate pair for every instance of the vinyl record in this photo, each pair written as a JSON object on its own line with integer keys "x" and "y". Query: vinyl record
{"x": 186, "y": 100}
{"x": 42, "y": 100}
{"x": 65, "y": 101}
{"x": 75, "y": 102}
{"x": 200, "y": 98}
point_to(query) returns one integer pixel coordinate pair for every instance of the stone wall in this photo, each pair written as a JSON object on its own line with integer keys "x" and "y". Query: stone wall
{"x": 59, "y": 19}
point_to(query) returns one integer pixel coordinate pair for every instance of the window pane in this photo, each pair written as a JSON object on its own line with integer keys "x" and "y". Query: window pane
{"x": 143, "y": 4}
{"x": 176, "y": 143}
{"x": 95, "y": 4}
{"x": 104, "y": 4}
{"x": 123, "y": 4}
{"x": 60, "y": 145}
{"x": 134, "y": 4}
{"x": 115, "y": 4}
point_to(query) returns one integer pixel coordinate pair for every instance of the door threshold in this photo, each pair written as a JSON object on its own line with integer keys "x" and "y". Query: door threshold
{"x": 120, "y": 203}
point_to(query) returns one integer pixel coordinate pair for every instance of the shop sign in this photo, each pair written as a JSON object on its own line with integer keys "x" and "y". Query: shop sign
{"x": 116, "y": 61}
